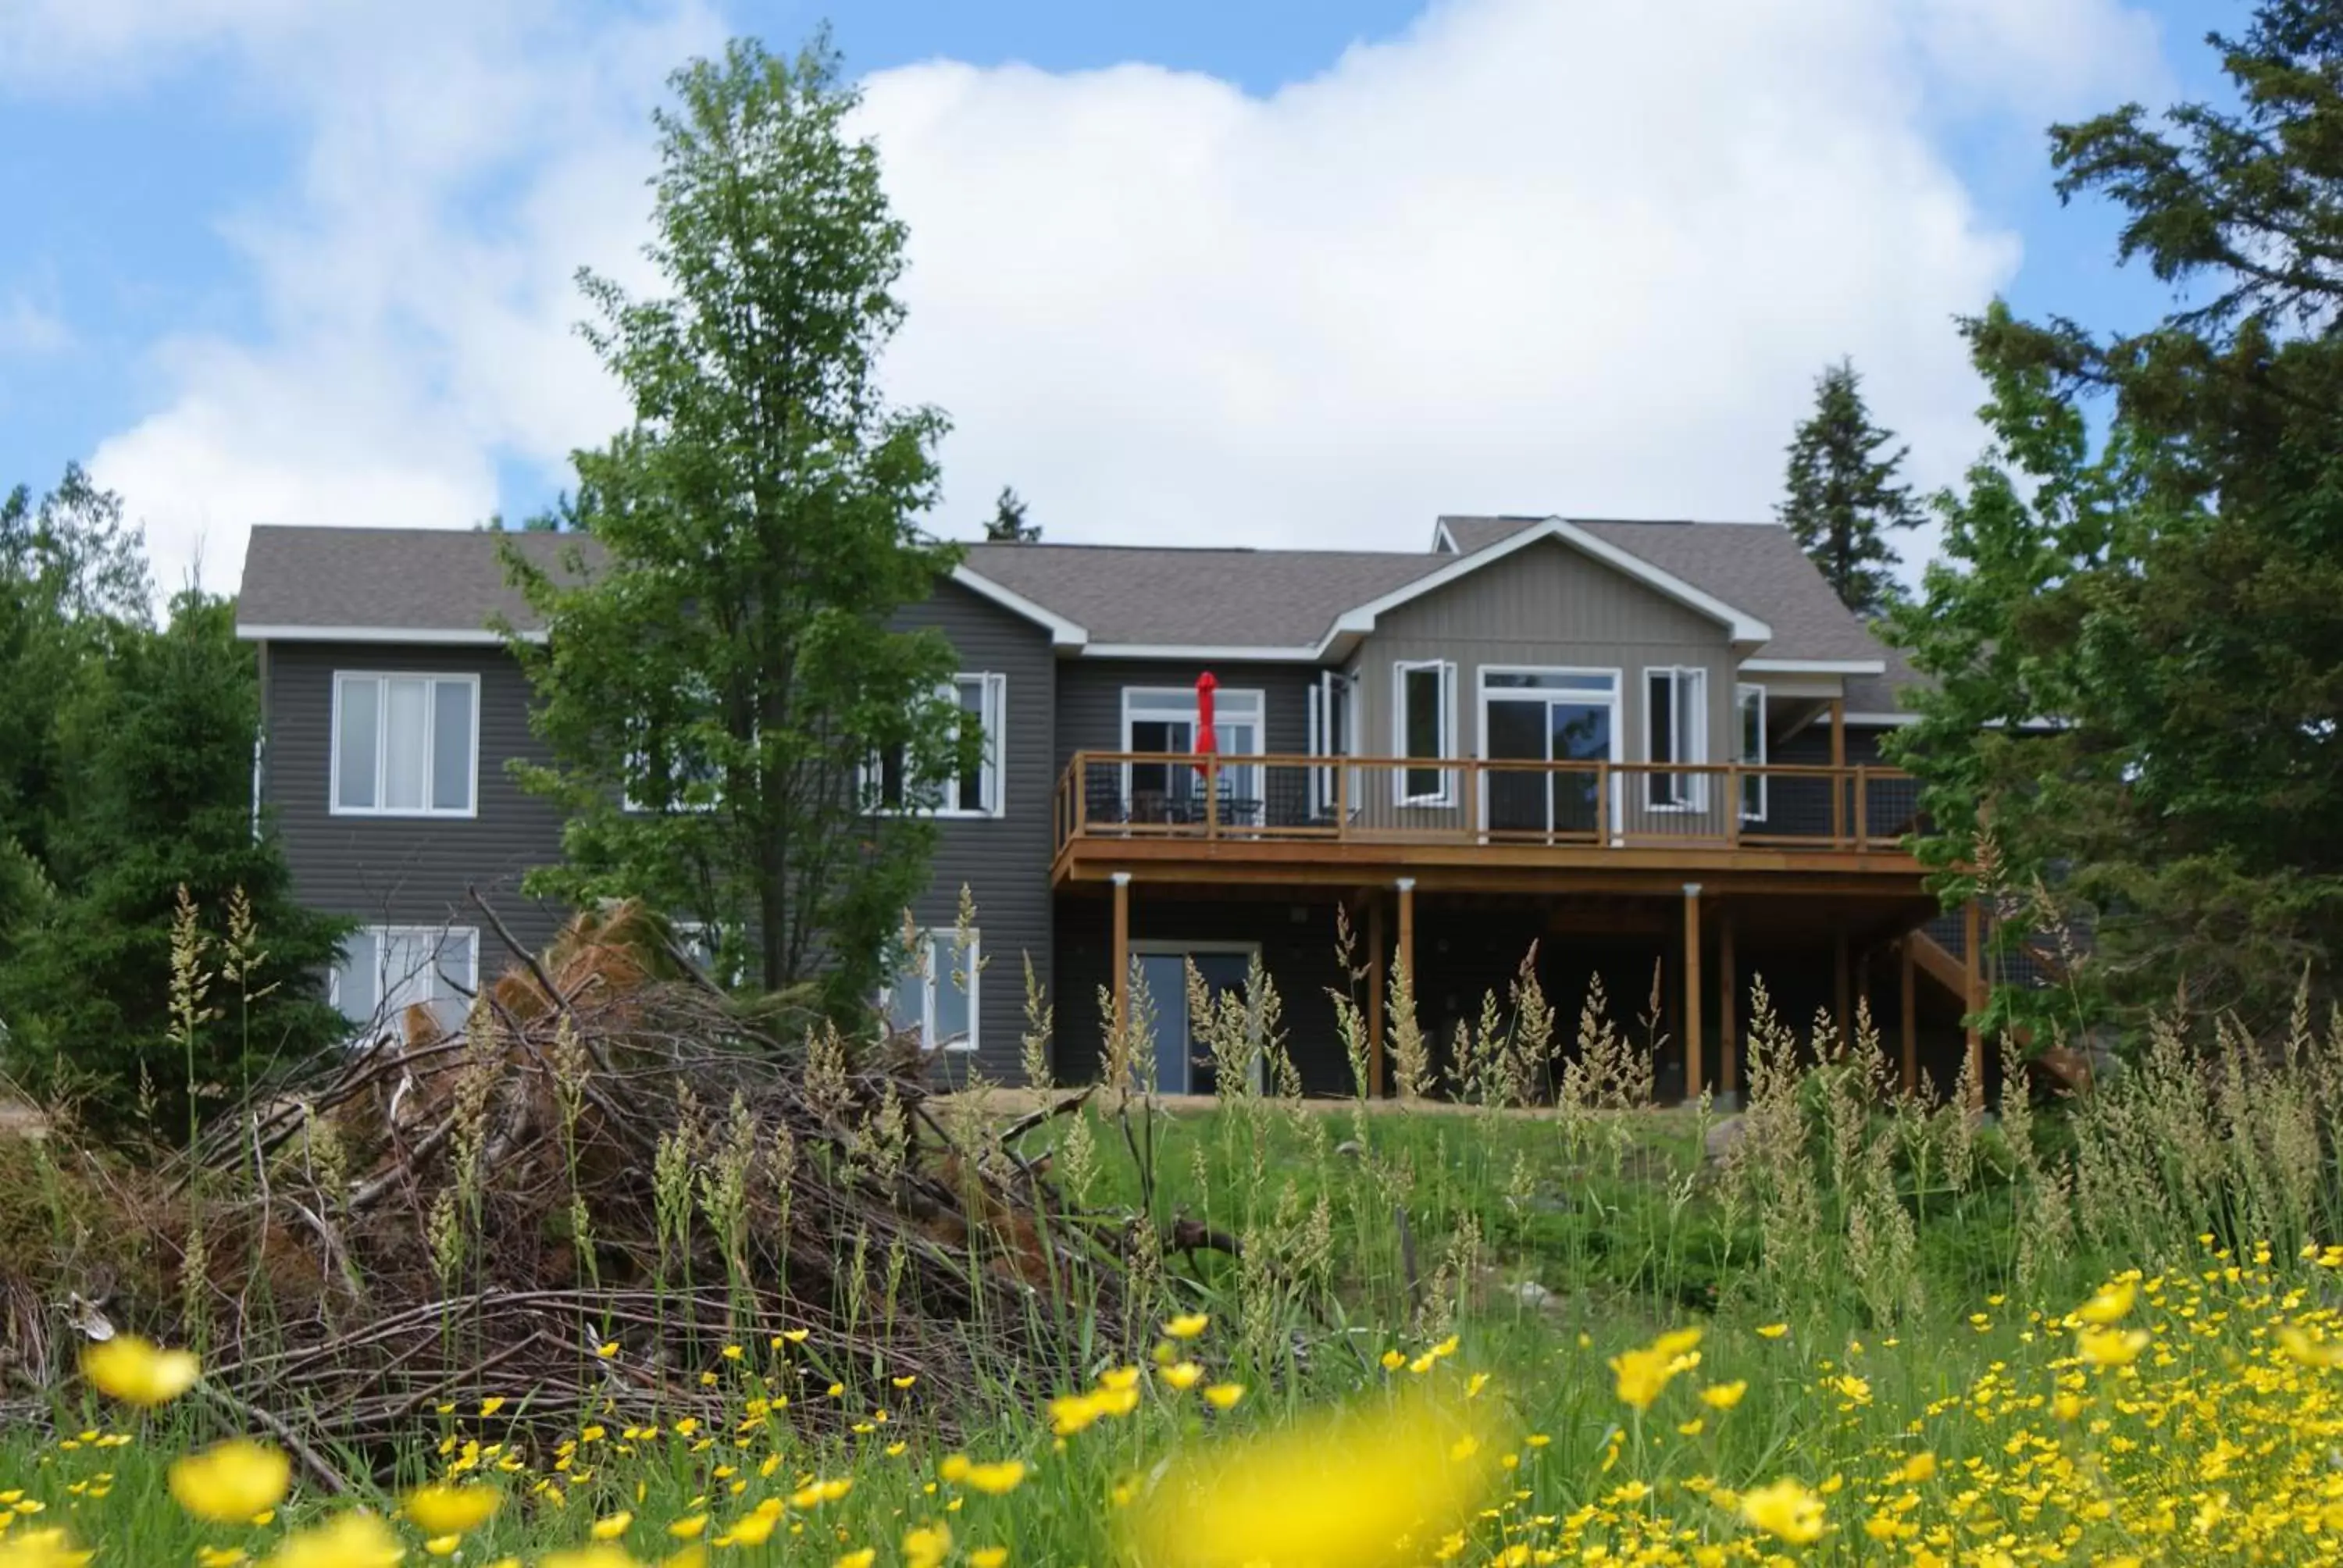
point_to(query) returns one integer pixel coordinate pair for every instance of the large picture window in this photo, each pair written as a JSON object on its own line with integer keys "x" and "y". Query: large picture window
{"x": 1675, "y": 730}
{"x": 405, "y": 745}
{"x": 933, "y": 994}
{"x": 386, "y": 970}
{"x": 1423, "y": 706}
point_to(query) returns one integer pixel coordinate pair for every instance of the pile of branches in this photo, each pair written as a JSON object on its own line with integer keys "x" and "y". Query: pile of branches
{"x": 578, "y": 1200}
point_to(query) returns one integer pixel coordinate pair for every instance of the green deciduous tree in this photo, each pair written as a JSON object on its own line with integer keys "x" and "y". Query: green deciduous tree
{"x": 1843, "y": 498}
{"x": 2175, "y": 601}
{"x": 733, "y": 664}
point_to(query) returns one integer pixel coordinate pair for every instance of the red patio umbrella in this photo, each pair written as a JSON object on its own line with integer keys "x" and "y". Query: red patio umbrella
{"x": 1207, "y": 741}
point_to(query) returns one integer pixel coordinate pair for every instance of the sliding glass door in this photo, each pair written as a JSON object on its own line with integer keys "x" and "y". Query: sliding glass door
{"x": 1546, "y": 715}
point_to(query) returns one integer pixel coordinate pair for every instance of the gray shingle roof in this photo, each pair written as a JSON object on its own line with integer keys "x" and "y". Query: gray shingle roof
{"x": 1198, "y": 598}
{"x": 414, "y": 579}
{"x": 425, "y": 579}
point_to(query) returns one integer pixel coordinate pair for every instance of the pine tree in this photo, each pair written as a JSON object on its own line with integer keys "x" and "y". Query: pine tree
{"x": 1842, "y": 495}
{"x": 1009, "y": 526}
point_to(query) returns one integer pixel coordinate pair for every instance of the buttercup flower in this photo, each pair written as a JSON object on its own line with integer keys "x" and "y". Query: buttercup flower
{"x": 1786, "y": 1510}
{"x": 443, "y": 1509}
{"x": 138, "y": 1371}
{"x": 229, "y": 1482}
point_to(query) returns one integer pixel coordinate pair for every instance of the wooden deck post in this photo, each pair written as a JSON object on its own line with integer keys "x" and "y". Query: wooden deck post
{"x": 1973, "y": 973}
{"x": 1911, "y": 1000}
{"x": 1728, "y": 988}
{"x": 1406, "y": 885}
{"x": 1693, "y": 1064}
{"x": 1842, "y": 1002}
{"x": 1838, "y": 774}
{"x": 1375, "y": 995}
{"x": 1122, "y": 953}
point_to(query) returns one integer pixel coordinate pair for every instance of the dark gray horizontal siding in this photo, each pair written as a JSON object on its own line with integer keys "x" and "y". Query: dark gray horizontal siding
{"x": 407, "y": 870}
{"x": 1004, "y": 861}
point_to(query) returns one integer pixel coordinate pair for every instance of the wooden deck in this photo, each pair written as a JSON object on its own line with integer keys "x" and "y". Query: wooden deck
{"x": 1469, "y": 825}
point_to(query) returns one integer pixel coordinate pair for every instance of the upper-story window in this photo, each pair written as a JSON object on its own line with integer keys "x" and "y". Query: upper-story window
{"x": 1423, "y": 705}
{"x": 405, "y": 745}
{"x": 975, "y": 788}
{"x": 1675, "y": 730}
{"x": 1749, "y": 715}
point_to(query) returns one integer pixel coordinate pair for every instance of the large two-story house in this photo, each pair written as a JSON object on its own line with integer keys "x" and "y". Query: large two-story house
{"x": 1649, "y": 750}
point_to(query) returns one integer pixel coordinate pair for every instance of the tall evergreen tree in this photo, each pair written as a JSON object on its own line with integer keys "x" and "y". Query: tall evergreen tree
{"x": 127, "y": 775}
{"x": 1842, "y": 495}
{"x": 2175, "y": 601}
{"x": 1009, "y": 526}
{"x": 735, "y": 669}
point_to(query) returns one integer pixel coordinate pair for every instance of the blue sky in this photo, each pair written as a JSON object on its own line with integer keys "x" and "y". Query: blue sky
{"x": 1215, "y": 271}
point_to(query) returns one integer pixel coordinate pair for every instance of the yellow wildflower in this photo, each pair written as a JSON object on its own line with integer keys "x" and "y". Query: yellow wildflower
{"x": 612, "y": 1526}
{"x": 1784, "y": 1509}
{"x": 2111, "y": 1347}
{"x": 1347, "y": 1487}
{"x": 138, "y": 1371}
{"x": 1773, "y": 1331}
{"x": 1225, "y": 1395}
{"x": 443, "y": 1509}
{"x": 229, "y": 1482}
{"x": 1187, "y": 1325}
{"x": 862, "y": 1559}
{"x": 926, "y": 1545}
{"x": 689, "y": 1527}
{"x": 2111, "y": 1303}
{"x": 1725, "y": 1395}
{"x": 988, "y": 1557}
{"x": 997, "y": 1479}
{"x": 1183, "y": 1375}
{"x": 601, "y": 1555}
{"x": 356, "y": 1538}
{"x": 1917, "y": 1468}
{"x": 39, "y": 1549}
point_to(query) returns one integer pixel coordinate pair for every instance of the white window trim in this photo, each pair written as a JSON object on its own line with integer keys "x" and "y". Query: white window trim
{"x": 1323, "y": 790}
{"x": 993, "y": 778}
{"x": 378, "y": 935}
{"x": 1445, "y": 796}
{"x": 1692, "y": 787}
{"x": 1173, "y": 703}
{"x": 1611, "y": 696}
{"x": 993, "y": 713}
{"x": 939, "y": 945}
{"x": 334, "y": 806}
{"x": 1743, "y": 694}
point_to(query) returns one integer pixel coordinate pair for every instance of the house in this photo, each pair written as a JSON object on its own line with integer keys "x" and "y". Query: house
{"x": 1647, "y": 750}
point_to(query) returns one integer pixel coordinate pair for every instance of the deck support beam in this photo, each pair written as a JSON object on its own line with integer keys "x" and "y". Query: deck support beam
{"x": 1406, "y": 961}
{"x": 1728, "y": 1008}
{"x": 1838, "y": 761}
{"x": 1910, "y": 1015}
{"x": 1122, "y": 954}
{"x": 1841, "y": 991}
{"x": 1973, "y": 973}
{"x": 1693, "y": 1074}
{"x": 1375, "y": 995}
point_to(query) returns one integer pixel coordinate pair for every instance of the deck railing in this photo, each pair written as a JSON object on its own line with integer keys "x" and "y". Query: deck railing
{"x": 1126, "y": 795}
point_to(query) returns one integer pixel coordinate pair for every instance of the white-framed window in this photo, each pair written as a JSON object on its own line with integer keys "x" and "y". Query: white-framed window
{"x": 1333, "y": 733}
{"x": 1749, "y": 733}
{"x": 1423, "y": 719}
{"x": 1675, "y": 730}
{"x": 1164, "y": 719}
{"x": 691, "y": 783}
{"x": 703, "y": 944}
{"x": 935, "y": 990}
{"x": 405, "y": 745}
{"x": 975, "y": 788}
{"x": 386, "y": 970}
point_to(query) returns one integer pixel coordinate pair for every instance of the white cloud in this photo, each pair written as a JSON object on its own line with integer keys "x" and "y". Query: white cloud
{"x": 1530, "y": 255}
{"x": 459, "y": 164}
{"x": 28, "y": 328}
